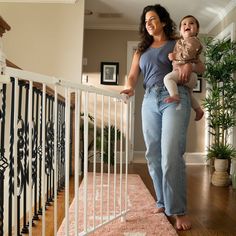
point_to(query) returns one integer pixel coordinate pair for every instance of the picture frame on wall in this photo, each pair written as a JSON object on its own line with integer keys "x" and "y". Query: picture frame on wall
{"x": 109, "y": 73}
{"x": 198, "y": 87}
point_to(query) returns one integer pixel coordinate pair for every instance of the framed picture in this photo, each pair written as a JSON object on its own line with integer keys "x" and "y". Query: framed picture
{"x": 109, "y": 73}
{"x": 198, "y": 87}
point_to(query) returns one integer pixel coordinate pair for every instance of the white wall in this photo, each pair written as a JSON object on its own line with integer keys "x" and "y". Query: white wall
{"x": 45, "y": 38}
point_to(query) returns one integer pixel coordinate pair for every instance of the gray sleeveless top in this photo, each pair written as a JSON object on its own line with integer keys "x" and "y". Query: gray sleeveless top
{"x": 154, "y": 64}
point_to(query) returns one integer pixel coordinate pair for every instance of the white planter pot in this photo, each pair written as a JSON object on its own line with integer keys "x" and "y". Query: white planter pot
{"x": 220, "y": 176}
{"x": 220, "y": 179}
{"x": 221, "y": 164}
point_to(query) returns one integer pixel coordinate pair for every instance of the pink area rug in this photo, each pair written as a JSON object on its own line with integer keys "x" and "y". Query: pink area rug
{"x": 140, "y": 221}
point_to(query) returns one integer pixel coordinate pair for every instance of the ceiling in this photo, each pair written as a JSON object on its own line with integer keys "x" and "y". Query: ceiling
{"x": 125, "y": 14}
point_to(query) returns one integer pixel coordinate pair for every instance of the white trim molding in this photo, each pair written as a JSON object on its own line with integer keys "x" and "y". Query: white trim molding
{"x": 191, "y": 158}
{"x": 195, "y": 158}
{"x": 221, "y": 15}
{"x": 228, "y": 32}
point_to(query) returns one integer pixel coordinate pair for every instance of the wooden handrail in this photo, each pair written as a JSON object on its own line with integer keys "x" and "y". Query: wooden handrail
{"x": 3, "y": 26}
{"x": 10, "y": 64}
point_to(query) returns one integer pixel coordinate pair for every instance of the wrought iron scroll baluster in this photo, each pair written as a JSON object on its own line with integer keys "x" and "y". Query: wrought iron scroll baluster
{"x": 39, "y": 151}
{"x": 62, "y": 140}
{"x": 20, "y": 155}
{"x": 3, "y": 160}
{"x": 59, "y": 146}
{"x": 50, "y": 137}
{"x": 48, "y": 156}
{"x": 35, "y": 153}
{"x": 11, "y": 160}
{"x": 26, "y": 155}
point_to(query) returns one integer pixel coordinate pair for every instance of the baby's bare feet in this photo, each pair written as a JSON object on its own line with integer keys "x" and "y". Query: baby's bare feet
{"x": 199, "y": 113}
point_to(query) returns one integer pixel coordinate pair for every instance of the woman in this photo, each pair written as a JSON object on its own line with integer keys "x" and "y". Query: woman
{"x": 164, "y": 124}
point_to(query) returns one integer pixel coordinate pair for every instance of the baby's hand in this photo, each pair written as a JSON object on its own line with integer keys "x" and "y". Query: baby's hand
{"x": 171, "y": 56}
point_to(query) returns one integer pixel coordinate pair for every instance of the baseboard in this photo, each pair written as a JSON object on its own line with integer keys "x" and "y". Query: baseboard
{"x": 191, "y": 158}
{"x": 195, "y": 158}
{"x": 139, "y": 157}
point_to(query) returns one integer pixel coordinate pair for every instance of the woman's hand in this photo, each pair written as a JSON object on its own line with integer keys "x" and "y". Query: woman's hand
{"x": 186, "y": 69}
{"x": 128, "y": 91}
{"x": 184, "y": 72}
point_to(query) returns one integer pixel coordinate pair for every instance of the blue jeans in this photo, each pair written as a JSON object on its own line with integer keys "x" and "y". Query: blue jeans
{"x": 164, "y": 129}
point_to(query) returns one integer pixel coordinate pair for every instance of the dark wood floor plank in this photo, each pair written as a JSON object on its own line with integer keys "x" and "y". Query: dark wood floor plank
{"x": 211, "y": 209}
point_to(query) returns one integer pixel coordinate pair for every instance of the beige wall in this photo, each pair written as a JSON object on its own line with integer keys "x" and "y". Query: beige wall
{"x": 111, "y": 46}
{"x": 45, "y": 38}
{"x": 108, "y": 45}
{"x": 196, "y": 130}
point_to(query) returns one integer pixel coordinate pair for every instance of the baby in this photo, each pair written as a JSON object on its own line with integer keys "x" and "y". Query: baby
{"x": 187, "y": 50}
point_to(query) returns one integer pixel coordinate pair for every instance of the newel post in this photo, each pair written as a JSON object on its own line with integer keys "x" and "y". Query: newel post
{"x": 3, "y": 28}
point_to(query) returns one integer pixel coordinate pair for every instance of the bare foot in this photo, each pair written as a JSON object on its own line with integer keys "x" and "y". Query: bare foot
{"x": 158, "y": 210}
{"x": 199, "y": 113}
{"x": 183, "y": 222}
{"x": 174, "y": 98}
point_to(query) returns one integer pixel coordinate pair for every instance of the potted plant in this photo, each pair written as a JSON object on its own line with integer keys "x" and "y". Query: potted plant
{"x": 221, "y": 155}
{"x": 221, "y": 151}
{"x": 220, "y": 102}
{"x": 110, "y": 135}
{"x": 90, "y": 138}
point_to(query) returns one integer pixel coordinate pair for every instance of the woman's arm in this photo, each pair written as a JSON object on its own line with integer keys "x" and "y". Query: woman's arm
{"x": 133, "y": 76}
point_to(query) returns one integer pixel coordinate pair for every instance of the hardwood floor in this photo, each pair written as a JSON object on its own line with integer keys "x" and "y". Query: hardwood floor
{"x": 212, "y": 209}
{"x": 37, "y": 229}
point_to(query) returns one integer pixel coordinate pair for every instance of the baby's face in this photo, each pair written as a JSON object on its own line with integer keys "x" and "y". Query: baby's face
{"x": 188, "y": 27}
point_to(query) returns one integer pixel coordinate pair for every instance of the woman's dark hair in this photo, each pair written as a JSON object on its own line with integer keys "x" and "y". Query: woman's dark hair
{"x": 169, "y": 28}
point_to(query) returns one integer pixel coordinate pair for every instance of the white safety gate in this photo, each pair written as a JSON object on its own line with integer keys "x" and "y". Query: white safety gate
{"x": 54, "y": 132}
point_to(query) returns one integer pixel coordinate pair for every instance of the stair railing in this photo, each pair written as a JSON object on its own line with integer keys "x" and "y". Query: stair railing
{"x": 52, "y": 129}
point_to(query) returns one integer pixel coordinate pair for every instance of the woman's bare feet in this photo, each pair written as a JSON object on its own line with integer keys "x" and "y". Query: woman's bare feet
{"x": 199, "y": 113}
{"x": 158, "y": 210}
{"x": 183, "y": 222}
{"x": 174, "y": 98}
